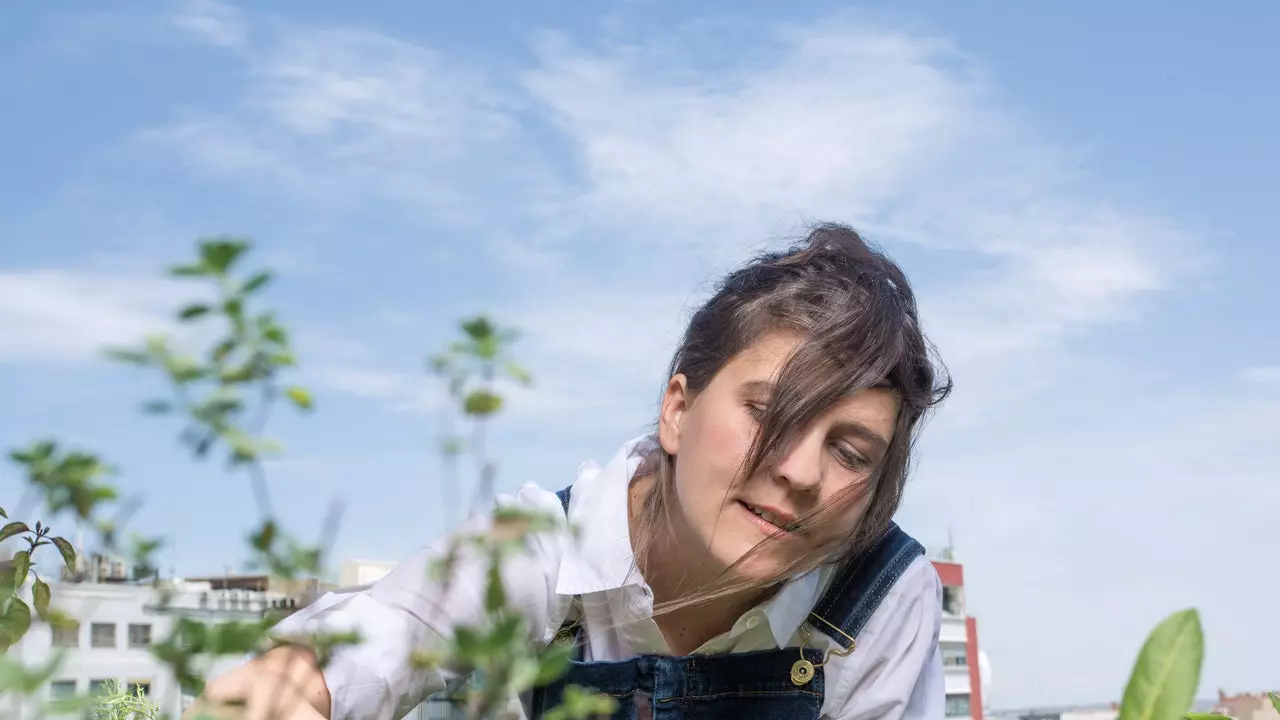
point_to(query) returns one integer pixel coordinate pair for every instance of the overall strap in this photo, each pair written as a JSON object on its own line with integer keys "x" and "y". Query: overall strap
{"x": 571, "y": 628}
{"x": 861, "y": 584}
{"x": 564, "y": 499}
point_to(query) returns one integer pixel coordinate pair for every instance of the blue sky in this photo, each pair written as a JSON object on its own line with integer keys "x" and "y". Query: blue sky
{"x": 1077, "y": 192}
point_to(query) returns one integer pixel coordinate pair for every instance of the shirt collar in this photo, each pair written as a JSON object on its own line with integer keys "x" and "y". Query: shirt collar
{"x": 601, "y": 557}
{"x": 789, "y": 607}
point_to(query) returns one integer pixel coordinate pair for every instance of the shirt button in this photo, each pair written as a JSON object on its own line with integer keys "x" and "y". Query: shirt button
{"x": 753, "y": 622}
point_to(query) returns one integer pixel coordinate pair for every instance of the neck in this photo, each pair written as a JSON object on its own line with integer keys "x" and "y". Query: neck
{"x": 677, "y": 576}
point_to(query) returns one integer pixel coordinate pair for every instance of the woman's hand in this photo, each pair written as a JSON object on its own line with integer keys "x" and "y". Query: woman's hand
{"x": 285, "y": 683}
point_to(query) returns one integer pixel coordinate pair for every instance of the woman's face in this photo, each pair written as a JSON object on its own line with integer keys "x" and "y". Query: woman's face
{"x": 710, "y": 435}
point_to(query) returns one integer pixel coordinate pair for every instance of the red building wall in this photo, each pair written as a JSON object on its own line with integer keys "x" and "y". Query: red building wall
{"x": 952, "y": 575}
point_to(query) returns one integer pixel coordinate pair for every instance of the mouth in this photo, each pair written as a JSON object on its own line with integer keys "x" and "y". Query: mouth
{"x": 769, "y": 520}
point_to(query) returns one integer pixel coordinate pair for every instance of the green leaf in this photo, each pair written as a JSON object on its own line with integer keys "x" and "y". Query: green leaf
{"x": 191, "y": 312}
{"x": 1275, "y": 700}
{"x": 506, "y": 639}
{"x": 283, "y": 358}
{"x": 14, "y": 528}
{"x": 241, "y": 374}
{"x": 157, "y": 407}
{"x": 517, "y": 373}
{"x": 21, "y": 565}
{"x": 554, "y": 663}
{"x": 264, "y": 537}
{"x": 300, "y": 397}
{"x": 4, "y": 514}
{"x": 132, "y": 357}
{"x": 15, "y": 623}
{"x": 468, "y": 644}
{"x": 256, "y": 282}
{"x": 68, "y": 552}
{"x": 495, "y": 595}
{"x": 235, "y": 638}
{"x": 219, "y": 254}
{"x": 1167, "y": 674}
{"x": 41, "y": 596}
{"x": 524, "y": 673}
{"x": 479, "y": 328}
{"x": 189, "y": 270}
{"x": 275, "y": 334}
{"x": 1205, "y": 716}
{"x": 224, "y": 349}
{"x": 482, "y": 403}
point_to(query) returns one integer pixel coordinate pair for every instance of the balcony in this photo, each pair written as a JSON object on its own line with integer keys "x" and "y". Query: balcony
{"x": 953, "y": 629}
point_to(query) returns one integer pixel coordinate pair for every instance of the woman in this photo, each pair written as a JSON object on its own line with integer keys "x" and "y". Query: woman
{"x": 741, "y": 562}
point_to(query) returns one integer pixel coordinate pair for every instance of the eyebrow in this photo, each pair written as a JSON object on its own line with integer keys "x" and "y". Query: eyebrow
{"x": 847, "y": 427}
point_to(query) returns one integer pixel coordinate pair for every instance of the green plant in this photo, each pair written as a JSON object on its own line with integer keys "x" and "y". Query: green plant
{"x": 223, "y": 397}
{"x": 15, "y": 613}
{"x": 472, "y": 366}
{"x": 498, "y": 649}
{"x": 1166, "y": 674}
{"x": 117, "y": 702}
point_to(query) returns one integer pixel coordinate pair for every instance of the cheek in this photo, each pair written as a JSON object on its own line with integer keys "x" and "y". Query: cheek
{"x": 723, "y": 440}
{"x": 836, "y": 524}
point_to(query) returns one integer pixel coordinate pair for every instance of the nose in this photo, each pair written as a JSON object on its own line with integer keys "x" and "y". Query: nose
{"x": 800, "y": 465}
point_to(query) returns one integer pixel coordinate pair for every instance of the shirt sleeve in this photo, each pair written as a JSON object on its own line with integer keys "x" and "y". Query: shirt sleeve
{"x": 896, "y": 672}
{"x": 410, "y": 610}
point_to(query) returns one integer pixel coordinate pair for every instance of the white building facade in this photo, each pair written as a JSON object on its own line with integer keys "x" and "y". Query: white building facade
{"x": 117, "y": 625}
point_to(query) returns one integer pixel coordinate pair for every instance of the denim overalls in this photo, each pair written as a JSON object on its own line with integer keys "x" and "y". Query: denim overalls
{"x": 784, "y": 684}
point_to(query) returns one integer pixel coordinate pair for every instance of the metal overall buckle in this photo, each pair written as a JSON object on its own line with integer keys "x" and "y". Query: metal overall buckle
{"x": 803, "y": 670}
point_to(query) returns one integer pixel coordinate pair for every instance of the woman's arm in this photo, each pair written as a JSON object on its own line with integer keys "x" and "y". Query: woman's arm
{"x": 407, "y": 610}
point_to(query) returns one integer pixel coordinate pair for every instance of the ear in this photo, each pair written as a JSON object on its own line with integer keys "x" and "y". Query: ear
{"x": 675, "y": 401}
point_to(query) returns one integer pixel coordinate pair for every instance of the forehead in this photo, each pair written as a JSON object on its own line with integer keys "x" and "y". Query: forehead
{"x": 755, "y": 369}
{"x": 762, "y": 359}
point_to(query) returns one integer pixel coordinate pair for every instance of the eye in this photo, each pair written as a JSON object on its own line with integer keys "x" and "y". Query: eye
{"x": 756, "y": 410}
{"x": 849, "y": 457}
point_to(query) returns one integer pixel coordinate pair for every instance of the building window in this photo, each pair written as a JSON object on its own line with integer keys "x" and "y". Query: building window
{"x": 139, "y": 636}
{"x": 62, "y": 689}
{"x": 954, "y": 656}
{"x": 66, "y": 636}
{"x": 958, "y": 706}
{"x": 953, "y": 600}
{"x": 102, "y": 635}
{"x": 99, "y": 687}
{"x": 137, "y": 687}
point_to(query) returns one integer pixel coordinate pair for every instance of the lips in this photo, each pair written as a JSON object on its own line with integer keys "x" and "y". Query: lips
{"x": 776, "y": 519}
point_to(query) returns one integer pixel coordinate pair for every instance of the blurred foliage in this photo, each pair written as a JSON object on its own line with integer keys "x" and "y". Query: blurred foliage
{"x": 222, "y": 397}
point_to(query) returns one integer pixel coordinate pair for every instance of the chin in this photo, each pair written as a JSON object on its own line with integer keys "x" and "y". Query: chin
{"x": 763, "y": 565}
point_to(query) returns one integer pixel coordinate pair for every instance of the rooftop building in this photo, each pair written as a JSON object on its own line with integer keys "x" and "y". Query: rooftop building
{"x": 1246, "y": 706}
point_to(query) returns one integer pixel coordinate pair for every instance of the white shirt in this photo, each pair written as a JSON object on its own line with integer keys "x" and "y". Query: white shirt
{"x": 895, "y": 672}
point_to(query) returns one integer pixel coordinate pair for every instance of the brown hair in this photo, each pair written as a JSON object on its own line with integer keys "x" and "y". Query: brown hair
{"x": 856, "y": 315}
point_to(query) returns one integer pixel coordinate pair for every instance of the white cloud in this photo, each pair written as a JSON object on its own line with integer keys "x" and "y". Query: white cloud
{"x": 688, "y": 169}
{"x": 214, "y": 22}
{"x": 1265, "y": 375}
{"x": 62, "y": 316}
{"x": 343, "y": 119}
{"x": 400, "y": 391}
